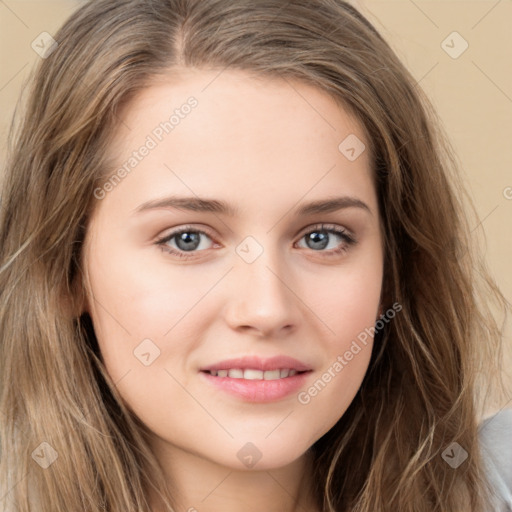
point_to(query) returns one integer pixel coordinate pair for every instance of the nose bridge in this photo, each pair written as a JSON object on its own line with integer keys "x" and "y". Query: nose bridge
{"x": 260, "y": 266}
{"x": 262, "y": 297}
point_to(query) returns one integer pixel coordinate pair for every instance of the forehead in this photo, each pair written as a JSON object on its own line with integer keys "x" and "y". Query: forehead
{"x": 233, "y": 102}
{"x": 245, "y": 135}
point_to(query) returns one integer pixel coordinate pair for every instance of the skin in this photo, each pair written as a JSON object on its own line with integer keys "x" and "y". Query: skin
{"x": 266, "y": 147}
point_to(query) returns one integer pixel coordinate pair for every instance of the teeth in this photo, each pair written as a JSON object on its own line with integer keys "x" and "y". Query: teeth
{"x": 251, "y": 374}
{"x": 272, "y": 375}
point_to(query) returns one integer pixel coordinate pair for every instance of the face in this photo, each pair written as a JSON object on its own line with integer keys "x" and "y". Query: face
{"x": 247, "y": 230}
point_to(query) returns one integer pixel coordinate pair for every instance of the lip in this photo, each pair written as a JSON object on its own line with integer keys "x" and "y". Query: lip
{"x": 258, "y": 390}
{"x": 258, "y": 363}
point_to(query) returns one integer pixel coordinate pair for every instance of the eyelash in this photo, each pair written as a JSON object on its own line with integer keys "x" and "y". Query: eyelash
{"x": 342, "y": 233}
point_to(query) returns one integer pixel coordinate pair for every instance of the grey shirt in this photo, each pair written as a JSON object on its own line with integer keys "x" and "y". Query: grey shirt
{"x": 495, "y": 434}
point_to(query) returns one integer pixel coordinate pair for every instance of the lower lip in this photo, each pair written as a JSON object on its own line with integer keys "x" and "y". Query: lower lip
{"x": 258, "y": 390}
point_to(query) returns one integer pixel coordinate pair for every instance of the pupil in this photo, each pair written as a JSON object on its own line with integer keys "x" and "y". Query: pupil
{"x": 187, "y": 241}
{"x": 318, "y": 238}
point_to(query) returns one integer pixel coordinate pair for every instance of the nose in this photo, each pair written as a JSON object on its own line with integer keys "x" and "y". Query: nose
{"x": 262, "y": 299}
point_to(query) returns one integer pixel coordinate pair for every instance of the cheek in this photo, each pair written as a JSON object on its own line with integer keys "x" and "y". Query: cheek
{"x": 139, "y": 309}
{"x": 348, "y": 300}
{"x": 142, "y": 297}
{"x": 349, "y": 307}
{"x": 144, "y": 336}
{"x": 347, "y": 358}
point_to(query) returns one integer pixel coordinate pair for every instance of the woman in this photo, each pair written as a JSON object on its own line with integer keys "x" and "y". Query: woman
{"x": 236, "y": 271}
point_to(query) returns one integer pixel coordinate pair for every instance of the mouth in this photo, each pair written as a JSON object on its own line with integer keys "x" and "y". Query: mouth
{"x": 253, "y": 379}
{"x": 255, "y": 374}
{"x": 249, "y": 385}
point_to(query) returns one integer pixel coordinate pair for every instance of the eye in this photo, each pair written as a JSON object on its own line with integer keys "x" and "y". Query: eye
{"x": 188, "y": 240}
{"x": 185, "y": 240}
{"x": 321, "y": 236}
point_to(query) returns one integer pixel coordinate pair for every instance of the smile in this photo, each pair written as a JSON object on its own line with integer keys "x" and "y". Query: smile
{"x": 253, "y": 374}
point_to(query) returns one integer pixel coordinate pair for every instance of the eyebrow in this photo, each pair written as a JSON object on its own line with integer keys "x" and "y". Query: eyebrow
{"x": 197, "y": 204}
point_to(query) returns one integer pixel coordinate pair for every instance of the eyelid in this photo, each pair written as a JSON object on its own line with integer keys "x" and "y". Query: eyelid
{"x": 184, "y": 228}
{"x": 203, "y": 229}
{"x": 322, "y": 226}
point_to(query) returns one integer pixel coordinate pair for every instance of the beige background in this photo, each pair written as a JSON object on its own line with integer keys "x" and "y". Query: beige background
{"x": 473, "y": 93}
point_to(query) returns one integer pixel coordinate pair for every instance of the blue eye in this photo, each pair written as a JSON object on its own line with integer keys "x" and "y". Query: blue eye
{"x": 320, "y": 237}
{"x": 188, "y": 240}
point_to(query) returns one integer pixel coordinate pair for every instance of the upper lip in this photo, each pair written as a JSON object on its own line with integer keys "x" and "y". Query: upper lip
{"x": 258, "y": 363}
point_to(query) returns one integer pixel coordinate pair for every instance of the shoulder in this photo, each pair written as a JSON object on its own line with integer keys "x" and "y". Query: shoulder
{"x": 495, "y": 435}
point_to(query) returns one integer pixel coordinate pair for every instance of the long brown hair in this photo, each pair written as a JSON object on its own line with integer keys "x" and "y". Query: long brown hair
{"x": 425, "y": 387}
